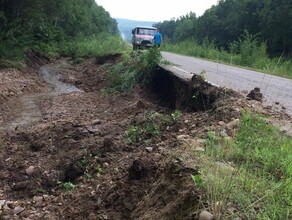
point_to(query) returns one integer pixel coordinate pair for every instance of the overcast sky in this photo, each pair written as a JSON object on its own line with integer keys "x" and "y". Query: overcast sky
{"x": 154, "y": 10}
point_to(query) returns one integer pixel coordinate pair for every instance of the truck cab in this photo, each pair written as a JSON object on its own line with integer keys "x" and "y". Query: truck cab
{"x": 142, "y": 37}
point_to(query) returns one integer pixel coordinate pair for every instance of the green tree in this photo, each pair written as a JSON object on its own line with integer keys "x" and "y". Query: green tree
{"x": 29, "y": 24}
{"x": 185, "y": 28}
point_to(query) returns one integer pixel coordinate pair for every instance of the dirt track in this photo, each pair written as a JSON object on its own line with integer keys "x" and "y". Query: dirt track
{"x": 50, "y": 137}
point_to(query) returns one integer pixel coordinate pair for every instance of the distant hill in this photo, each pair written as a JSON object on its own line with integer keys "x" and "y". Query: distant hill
{"x": 125, "y": 27}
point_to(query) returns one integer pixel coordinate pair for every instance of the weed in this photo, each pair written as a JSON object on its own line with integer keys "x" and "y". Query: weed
{"x": 203, "y": 75}
{"x": 152, "y": 126}
{"x": 176, "y": 115}
{"x": 69, "y": 186}
{"x": 99, "y": 169}
{"x": 197, "y": 179}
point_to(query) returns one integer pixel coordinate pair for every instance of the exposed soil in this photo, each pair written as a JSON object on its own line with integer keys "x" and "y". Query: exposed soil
{"x": 55, "y": 136}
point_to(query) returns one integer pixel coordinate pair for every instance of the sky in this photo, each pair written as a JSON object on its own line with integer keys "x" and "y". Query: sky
{"x": 154, "y": 10}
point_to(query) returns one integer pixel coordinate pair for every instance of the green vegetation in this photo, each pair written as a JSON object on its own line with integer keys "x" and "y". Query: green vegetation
{"x": 102, "y": 44}
{"x": 137, "y": 67}
{"x": 75, "y": 27}
{"x": 151, "y": 126}
{"x": 69, "y": 186}
{"x": 250, "y": 54}
{"x": 250, "y": 177}
{"x": 251, "y": 33}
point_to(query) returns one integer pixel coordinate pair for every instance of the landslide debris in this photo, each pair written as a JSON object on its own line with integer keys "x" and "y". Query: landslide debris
{"x": 78, "y": 161}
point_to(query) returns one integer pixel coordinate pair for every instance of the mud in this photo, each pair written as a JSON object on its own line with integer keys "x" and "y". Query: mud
{"x": 66, "y": 153}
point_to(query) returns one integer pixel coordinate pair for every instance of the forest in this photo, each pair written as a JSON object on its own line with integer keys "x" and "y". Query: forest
{"x": 49, "y": 25}
{"x": 224, "y": 24}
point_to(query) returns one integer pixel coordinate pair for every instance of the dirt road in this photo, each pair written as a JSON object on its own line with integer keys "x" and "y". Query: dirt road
{"x": 277, "y": 91}
{"x": 69, "y": 151}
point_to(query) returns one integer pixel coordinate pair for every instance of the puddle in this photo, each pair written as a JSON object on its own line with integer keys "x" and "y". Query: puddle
{"x": 26, "y": 110}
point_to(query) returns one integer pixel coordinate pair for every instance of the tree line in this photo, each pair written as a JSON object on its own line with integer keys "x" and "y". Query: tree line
{"x": 268, "y": 21}
{"x": 26, "y": 23}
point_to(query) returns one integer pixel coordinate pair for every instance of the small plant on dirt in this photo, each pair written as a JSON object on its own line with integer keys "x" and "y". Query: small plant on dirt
{"x": 87, "y": 175}
{"x": 176, "y": 115}
{"x": 203, "y": 75}
{"x": 99, "y": 169}
{"x": 197, "y": 179}
{"x": 152, "y": 126}
{"x": 134, "y": 133}
{"x": 83, "y": 162}
{"x": 69, "y": 186}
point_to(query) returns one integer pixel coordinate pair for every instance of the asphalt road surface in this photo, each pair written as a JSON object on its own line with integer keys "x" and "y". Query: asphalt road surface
{"x": 277, "y": 91}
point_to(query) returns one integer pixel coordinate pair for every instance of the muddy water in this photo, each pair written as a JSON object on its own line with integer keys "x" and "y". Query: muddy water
{"x": 51, "y": 76}
{"x": 25, "y": 110}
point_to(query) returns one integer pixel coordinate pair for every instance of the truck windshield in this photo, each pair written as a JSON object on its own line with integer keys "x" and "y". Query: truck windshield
{"x": 143, "y": 31}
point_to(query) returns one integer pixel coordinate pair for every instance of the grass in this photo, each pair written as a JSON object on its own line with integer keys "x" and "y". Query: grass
{"x": 255, "y": 59}
{"x": 135, "y": 67}
{"x": 98, "y": 45}
{"x": 102, "y": 44}
{"x": 251, "y": 176}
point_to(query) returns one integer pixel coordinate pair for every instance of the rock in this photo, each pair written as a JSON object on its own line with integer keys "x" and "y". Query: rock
{"x": 149, "y": 149}
{"x": 38, "y": 199}
{"x": 232, "y": 210}
{"x": 10, "y": 204}
{"x": 2, "y": 203}
{"x": 225, "y": 166}
{"x": 96, "y": 122}
{"x": 255, "y": 94}
{"x": 200, "y": 149}
{"x": 156, "y": 157}
{"x": 161, "y": 149}
{"x": 198, "y": 143}
{"x": 233, "y": 124}
{"x": 17, "y": 210}
{"x": 204, "y": 215}
{"x": 30, "y": 170}
{"x": 182, "y": 137}
{"x": 105, "y": 164}
{"x": 223, "y": 133}
{"x": 221, "y": 123}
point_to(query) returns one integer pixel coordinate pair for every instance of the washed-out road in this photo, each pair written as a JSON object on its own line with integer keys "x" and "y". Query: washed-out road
{"x": 277, "y": 91}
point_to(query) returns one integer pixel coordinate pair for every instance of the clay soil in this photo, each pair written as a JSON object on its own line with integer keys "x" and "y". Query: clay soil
{"x": 67, "y": 155}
